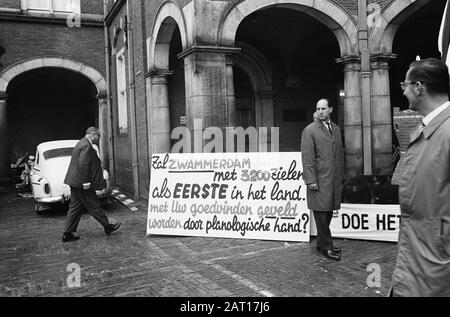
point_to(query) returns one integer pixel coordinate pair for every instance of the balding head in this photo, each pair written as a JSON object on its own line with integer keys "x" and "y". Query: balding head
{"x": 323, "y": 109}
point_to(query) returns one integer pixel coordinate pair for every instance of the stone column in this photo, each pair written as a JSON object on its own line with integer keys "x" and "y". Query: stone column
{"x": 353, "y": 133}
{"x": 5, "y": 163}
{"x": 104, "y": 131}
{"x": 381, "y": 114}
{"x": 159, "y": 112}
{"x": 209, "y": 97}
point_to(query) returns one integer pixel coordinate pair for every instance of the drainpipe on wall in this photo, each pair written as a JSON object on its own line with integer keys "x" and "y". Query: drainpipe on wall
{"x": 132, "y": 101}
{"x": 108, "y": 95}
{"x": 365, "y": 86}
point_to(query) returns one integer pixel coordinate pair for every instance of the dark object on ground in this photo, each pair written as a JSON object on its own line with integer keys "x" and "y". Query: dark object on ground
{"x": 370, "y": 189}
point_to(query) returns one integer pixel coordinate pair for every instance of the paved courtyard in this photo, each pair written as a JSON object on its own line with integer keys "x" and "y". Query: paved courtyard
{"x": 34, "y": 261}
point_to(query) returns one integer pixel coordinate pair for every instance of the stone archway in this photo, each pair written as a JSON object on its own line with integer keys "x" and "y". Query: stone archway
{"x": 168, "y": 19}
{"x": 169, "y": 16}
{"x": 381, "y": 36}
{"x": 337, "y": 20}
{"x": 11, "y": 72}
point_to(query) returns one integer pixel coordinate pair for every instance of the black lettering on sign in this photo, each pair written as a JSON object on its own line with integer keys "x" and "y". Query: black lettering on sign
{"x": 387, "y": 222}
{"x": 162, "y": 192}
{"x": 158, "y": 164}
{"x": 193, "y": 224}
{"x": 190, "y": 191}
{"x": 355, "y": 221}
{"x": 225, "y": 176}
{"x": 257, "y": 194}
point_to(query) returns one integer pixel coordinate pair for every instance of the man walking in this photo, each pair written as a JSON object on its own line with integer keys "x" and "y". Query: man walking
{"x": 423, "y": 261}
{"x": 323, "y": 164}
{"x": 85, "y": 176}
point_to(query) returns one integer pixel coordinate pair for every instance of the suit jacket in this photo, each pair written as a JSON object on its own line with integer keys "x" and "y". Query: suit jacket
{"x": 323, "y": 164}
{"x": 85, "y": 167}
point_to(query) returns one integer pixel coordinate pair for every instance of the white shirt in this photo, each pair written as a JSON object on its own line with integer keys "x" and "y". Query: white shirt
{"x": 433, "y": 114}
{"x": 326, "y": 125}
{"x": 98, "y": 154}
{"x": 95, "y": 147}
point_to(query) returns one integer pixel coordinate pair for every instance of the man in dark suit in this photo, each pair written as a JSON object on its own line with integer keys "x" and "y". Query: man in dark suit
{"x": 85, "y": 176}
{"x": 323, "y": 165}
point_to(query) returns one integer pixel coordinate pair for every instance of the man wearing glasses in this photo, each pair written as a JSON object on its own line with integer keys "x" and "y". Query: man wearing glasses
{"x": 85, "y": 176}
{"x": 423, "y": 261}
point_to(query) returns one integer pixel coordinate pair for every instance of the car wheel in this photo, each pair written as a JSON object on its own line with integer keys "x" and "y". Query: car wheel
{"x": 37, "y": 208}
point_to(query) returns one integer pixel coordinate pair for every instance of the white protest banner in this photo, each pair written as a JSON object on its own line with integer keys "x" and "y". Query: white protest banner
{"x": 229, "y": 195}
{"x": 365, "y": 222}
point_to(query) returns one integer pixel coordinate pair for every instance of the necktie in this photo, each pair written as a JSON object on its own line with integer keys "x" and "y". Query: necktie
{"x": 329, "y": 127}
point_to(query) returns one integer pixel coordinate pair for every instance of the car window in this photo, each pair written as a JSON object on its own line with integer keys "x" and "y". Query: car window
{"x": 61, "y": 152}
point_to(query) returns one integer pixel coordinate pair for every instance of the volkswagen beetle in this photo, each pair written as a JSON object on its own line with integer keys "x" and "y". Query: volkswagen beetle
{"x": 50, "y": 168}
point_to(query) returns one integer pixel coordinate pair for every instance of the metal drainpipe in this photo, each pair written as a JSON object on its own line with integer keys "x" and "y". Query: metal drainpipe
{"x": 132, "y": 100}
{"x": 365, "y": 86}
{"x": 108, "y": 95}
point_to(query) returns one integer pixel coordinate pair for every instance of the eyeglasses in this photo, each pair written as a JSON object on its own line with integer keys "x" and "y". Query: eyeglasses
{"x": 404, "y": 84}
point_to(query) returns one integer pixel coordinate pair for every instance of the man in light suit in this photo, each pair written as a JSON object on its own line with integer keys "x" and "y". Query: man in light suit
{"x": 423, "y": 259}
{"x": 85, "y": 176}
{"x": 323, "y": 166}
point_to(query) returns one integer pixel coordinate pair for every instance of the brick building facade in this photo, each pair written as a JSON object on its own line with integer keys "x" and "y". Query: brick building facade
{"x": 263, "y": 64}
{"x": 228, "y": 63}
{"x": 52, "y": 74}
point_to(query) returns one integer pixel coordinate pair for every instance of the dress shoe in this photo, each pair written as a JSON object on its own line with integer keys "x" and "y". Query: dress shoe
{"x": 112, "y": 227}
{"x": 335, "y": 249}
{"x": 331, "y": 255}
{"x": 67, "y": 237}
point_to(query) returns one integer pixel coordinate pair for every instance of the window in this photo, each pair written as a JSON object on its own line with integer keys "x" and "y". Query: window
{"x": 52, "y": 6}
{"x": 122, "y": 92}
{"x": 61, "y": 152}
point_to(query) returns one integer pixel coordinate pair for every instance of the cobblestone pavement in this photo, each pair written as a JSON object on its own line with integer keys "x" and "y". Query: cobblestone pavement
{"x": 34, "y": 261}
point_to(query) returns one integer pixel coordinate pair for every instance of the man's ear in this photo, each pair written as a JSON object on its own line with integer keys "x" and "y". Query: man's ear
{"x": 331, "y": 109}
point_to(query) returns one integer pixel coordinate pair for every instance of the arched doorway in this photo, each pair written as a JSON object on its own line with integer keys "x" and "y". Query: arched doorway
{"x": 16, "y": 80}
{"x": 302, "y": 53}
{"x": 177, "y": 94}
{"x": 49, "y": 104}
{"x": 417, "y": 36}
{"x": 165, "y": 81}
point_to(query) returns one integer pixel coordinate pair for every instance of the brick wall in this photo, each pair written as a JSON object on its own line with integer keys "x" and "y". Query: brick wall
{"x": 13, "y": 4}
{"x": 87, "y": 6}
{"x": 123, "y": 172}
{"x": 27, "y": 40}
{"x": 92, "y": 6}
{"x": 141, "y": 103}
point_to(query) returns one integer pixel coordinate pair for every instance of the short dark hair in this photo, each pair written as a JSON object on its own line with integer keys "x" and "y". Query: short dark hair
{"x": 92, "y": 130}
{"x": 433, "y": 73}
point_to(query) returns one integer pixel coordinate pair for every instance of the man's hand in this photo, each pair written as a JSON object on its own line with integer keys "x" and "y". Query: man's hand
{"x": 313, "y": 186}
{"x": 86, "y": 186}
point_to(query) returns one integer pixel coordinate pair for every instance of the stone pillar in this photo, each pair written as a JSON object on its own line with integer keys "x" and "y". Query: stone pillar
{"x": 353, "y": 133}
{"x": 104, "y": 131}
{"x": 381, "y": 114}
{"x": 209, "y": 92}
{"x": 159, "y": 112}
{"x": 5, "y": 163}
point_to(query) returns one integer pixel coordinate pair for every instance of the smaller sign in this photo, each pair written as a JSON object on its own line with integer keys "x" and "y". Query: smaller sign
{"x": 364, "y": 222}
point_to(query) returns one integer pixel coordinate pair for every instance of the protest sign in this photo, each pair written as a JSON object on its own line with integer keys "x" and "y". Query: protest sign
{"x": 365, "y": 222}
{"x": 229, "y": 195}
